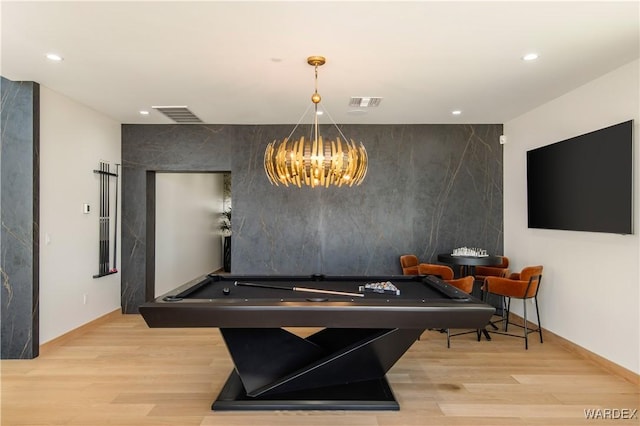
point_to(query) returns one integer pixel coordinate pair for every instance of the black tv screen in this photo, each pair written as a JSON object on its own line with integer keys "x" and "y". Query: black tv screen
{"x": 583, "y": 183}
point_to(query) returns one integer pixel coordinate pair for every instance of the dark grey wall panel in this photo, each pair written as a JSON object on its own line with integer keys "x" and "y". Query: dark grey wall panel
{"x": 429, "y": 188}
{"x": 133, "y": 251}
{"x": 20, "y": 218}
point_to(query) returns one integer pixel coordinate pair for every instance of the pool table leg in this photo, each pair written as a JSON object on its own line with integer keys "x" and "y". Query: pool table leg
{"x": 275, "y": 365}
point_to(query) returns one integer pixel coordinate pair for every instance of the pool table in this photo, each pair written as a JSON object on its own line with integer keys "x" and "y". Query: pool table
{"x": 343, "y": 365}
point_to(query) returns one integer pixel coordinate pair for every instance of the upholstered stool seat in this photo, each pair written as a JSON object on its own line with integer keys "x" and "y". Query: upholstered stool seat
{"x": 464, "y": 284}
{"x": 523, "y": 285}
{"x": 441, "y": 271}
{"x": 409, "y": 264}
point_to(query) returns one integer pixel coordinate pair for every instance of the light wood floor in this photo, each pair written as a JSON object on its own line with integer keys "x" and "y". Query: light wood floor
{"x": 122, "y": 373}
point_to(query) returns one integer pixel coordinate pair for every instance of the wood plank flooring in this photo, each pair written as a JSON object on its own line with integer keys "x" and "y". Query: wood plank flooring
{"x": 122, "y": 373}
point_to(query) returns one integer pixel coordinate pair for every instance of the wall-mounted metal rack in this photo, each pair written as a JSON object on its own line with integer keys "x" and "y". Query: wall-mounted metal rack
{"x": 104, "y": 268}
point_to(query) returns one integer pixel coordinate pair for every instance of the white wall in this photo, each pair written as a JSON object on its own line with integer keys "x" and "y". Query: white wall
{"x": 590, "y": 290}
{"x": 73, "y": 139}
{"x": 188, "y": 242}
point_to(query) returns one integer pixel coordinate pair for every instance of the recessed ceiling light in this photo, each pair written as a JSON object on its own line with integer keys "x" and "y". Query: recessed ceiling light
{"x": 319, "y": 112}
{"x": 144, "y": 112}
{"x": 456, "y": 112}
{"x": 530, "y": 57}
{"x": 54, "y": 57}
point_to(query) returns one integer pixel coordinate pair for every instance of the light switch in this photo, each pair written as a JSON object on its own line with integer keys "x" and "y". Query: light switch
{"x": 86, "y": 208}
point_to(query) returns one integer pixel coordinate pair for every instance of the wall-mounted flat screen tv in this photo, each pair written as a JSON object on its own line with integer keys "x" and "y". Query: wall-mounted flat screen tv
{"x": 583, "y": 183}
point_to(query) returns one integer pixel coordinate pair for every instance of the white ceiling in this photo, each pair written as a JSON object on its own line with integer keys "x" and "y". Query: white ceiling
{"x": 241, "y": 62}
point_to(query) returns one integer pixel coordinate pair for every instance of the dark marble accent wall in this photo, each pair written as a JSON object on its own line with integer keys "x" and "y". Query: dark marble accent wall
{"x": 19, "y": 217}
{"x": 429, "y": 189}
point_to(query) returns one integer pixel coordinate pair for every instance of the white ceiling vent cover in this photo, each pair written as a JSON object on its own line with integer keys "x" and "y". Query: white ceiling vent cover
{"x": 365, "y": 102}
{"x": 179, "y": 114}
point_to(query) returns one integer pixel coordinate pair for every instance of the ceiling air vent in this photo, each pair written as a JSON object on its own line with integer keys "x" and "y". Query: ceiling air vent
{"x": 365, "y": 102}
{"x": 179, "y": 114}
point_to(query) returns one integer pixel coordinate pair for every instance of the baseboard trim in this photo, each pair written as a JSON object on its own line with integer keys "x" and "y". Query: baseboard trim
{"x": 54, "y": 343}
{"x": 578, "y": 350}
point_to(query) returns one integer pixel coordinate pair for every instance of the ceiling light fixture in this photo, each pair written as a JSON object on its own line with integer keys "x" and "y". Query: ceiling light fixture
{"x": 314, "y": 162}
{"x": 456, "y": 112}
{"x": 530, "y": 57}
{"x": 54, "y": 57}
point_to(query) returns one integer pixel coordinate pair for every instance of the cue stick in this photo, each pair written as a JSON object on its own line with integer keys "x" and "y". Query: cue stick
{"x": 115, "y": 232}
{"x": 305, "y": 289}
{"x": 107, "y": 220}
{"x": 104, "y": 218}
{"x": 101, "y": 269}
{"x": 105, "y": 207}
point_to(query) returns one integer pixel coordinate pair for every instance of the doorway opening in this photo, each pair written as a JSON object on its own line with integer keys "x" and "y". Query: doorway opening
{"x": 188, "y": 232}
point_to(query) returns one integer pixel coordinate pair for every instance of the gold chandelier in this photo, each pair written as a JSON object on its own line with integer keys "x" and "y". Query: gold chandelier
{"x": 315, "y": 162}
